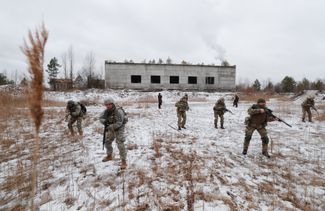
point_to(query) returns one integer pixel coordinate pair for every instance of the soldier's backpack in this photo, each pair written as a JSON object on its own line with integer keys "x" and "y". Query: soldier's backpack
{"x": 83, "y": 108}
{"x": 126, "y": 119}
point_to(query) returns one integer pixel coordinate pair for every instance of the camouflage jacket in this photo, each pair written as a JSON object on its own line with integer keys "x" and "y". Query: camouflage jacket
{"x": 182, "y": 106}
{"x": 257, "y": 119}
{"x": 220, "y": 106}
{"x": 308, "y": 103}
{"x": 114, "y": 119}
{"x": 75, "y": 111}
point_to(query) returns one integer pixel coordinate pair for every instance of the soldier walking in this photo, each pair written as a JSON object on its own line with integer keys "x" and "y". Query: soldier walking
{"x": 181, "y": 108}
{"x": 258, "y": 117}
{"x": 114, "y": 119}
{"x": 74, "y": 111}
{"x": 159, "y": 100}
{"x": 236, "y": 100}
{"x": 306, "y": 105}
{"x": 219, "y": 110}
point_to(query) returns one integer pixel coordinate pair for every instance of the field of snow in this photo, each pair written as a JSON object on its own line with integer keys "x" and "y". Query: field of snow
{"x": 199, "y": 168}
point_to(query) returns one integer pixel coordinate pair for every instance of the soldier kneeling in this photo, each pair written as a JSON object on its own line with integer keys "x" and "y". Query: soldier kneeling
{"x": 76, "y": 114}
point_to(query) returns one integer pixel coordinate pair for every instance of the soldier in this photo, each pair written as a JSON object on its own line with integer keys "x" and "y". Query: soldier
{"x": 159, "y": 100}
{"x": 219, "y": 110}
{"x": 181, "y": 108}
{"x": 114, "y": 119}
{"x": 259, "y": 116}
{"x": 236, "y": 99}
{"x": 306, "y": 105}
{"x": 75, "y": 112}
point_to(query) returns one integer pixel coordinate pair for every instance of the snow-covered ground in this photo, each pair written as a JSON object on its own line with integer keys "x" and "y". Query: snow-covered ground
{"x": 170, "y": 170}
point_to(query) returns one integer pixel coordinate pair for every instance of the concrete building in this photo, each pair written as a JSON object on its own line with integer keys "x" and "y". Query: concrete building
{"x": 169, "y": 76}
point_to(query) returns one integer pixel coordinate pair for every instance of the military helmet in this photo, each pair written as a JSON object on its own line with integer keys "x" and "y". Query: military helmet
{"x": 261, "y": 100}
{"x": 312, "y": 97}
{"x": 222, "y": 99}
{"x": 70, "y": 103}
{"x": 109, "y": 100}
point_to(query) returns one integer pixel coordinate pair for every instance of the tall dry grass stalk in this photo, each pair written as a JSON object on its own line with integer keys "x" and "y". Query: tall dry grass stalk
{"x": 34, "y": 51}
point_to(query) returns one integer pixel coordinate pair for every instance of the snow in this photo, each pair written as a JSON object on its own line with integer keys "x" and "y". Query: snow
{"x": 165, "y": 165}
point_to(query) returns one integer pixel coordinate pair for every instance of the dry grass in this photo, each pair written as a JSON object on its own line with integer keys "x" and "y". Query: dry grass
{"x": 253, "y": 97}
{"x": 34, "y": 51}
{"x": 321, "y": 111}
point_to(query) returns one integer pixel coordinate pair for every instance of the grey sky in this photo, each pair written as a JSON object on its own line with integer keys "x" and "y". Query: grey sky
{"x": 264, "y": 38}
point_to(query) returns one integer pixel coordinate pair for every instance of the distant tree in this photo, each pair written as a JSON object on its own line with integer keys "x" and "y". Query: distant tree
{"x": 269, "y": 87}
{"x": 288, "y": 84}
{"x": 4, "y": 80}
{"x": 225, "y": 63}
{"x": 160, "y": 61}
{"x": 71, "y": 62}
{"x": 184, "y": 62}
{"x": 89, "y": 65}
{"x": 318, "y": 85}
{"x": 305, "y": 83}
{"x": 153, "y": 61}
{"x": 278, "y": 88}
{"x": 53, "y": 68}
{"x": 257, "y": 85}
{"x": 65, "y": 65}
{"x": 168, "y": 60}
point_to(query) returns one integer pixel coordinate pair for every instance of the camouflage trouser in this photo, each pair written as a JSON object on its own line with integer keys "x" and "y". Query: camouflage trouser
{"x": 181, "y": 115}
{"x": 72, "y": 120}
{"x": 120, "y": 139}
{"x": 248, "y": 136}
{"x": 216, "y": 114}
{"x": 304, "y": 111}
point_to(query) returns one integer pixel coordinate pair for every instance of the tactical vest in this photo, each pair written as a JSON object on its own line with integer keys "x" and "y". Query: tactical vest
{"x": 258, "y": 120}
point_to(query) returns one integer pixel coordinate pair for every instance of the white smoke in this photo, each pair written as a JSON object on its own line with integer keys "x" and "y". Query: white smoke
{"x": 212, "y": 42}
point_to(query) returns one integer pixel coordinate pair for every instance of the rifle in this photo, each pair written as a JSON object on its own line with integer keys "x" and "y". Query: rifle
{"x": 104, "y": 135}
{"x": 227, "y": 110}
{"x": 313, "y": 107}
{"x": 269, "y": 112}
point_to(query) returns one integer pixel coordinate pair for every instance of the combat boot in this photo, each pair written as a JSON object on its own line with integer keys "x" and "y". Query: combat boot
{"x": 264, "y": 151}
{"x": 123, "y": 164}
{"x": 107, "y": 158}
{"x": 222, "y": 127}
{"x": 184, "y": 127}
{"x": 266, "y": 154}
{"x": 245, "y": 152}
{"x": 179, "y": 128}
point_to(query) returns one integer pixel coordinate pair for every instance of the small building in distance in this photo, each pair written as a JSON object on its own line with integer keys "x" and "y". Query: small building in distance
{"x": 61, "y": 84}
{"x": 144, "y": 76}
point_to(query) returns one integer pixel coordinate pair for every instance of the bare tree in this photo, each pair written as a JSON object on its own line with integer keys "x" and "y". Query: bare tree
{"x": 64, "y": 65}
{"x": 89, "y": 66}
{"x": 71, "y": 61}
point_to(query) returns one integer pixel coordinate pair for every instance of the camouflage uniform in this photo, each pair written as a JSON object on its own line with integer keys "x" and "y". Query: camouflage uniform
{"x": 257, "y": 121}
{"x": 236, "y": 99}
{"x": 115, "y": 119}
{"x": 159, "y": 100}
{"x": 76, "y": 115}
{"x": 306, "y": 105}
{"x": 219, "y": 110}
{"x": 182, "y": 107}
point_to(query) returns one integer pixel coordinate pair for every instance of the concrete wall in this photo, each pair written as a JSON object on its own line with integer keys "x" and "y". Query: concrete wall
{"x": 118, "y": 76}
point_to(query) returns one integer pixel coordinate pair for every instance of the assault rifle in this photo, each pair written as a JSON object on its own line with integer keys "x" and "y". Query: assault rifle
{"x": 313, "y": 107}
{"x": 227, "y": 110}
{"x": 104, "y": 135}
{"x": 269, "y": 112}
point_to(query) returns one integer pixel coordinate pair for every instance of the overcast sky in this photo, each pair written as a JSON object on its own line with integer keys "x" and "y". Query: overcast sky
{"x": 264, "y": 38}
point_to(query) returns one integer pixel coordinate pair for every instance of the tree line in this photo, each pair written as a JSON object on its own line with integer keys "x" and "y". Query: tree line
{"x": 287, "y": 84}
